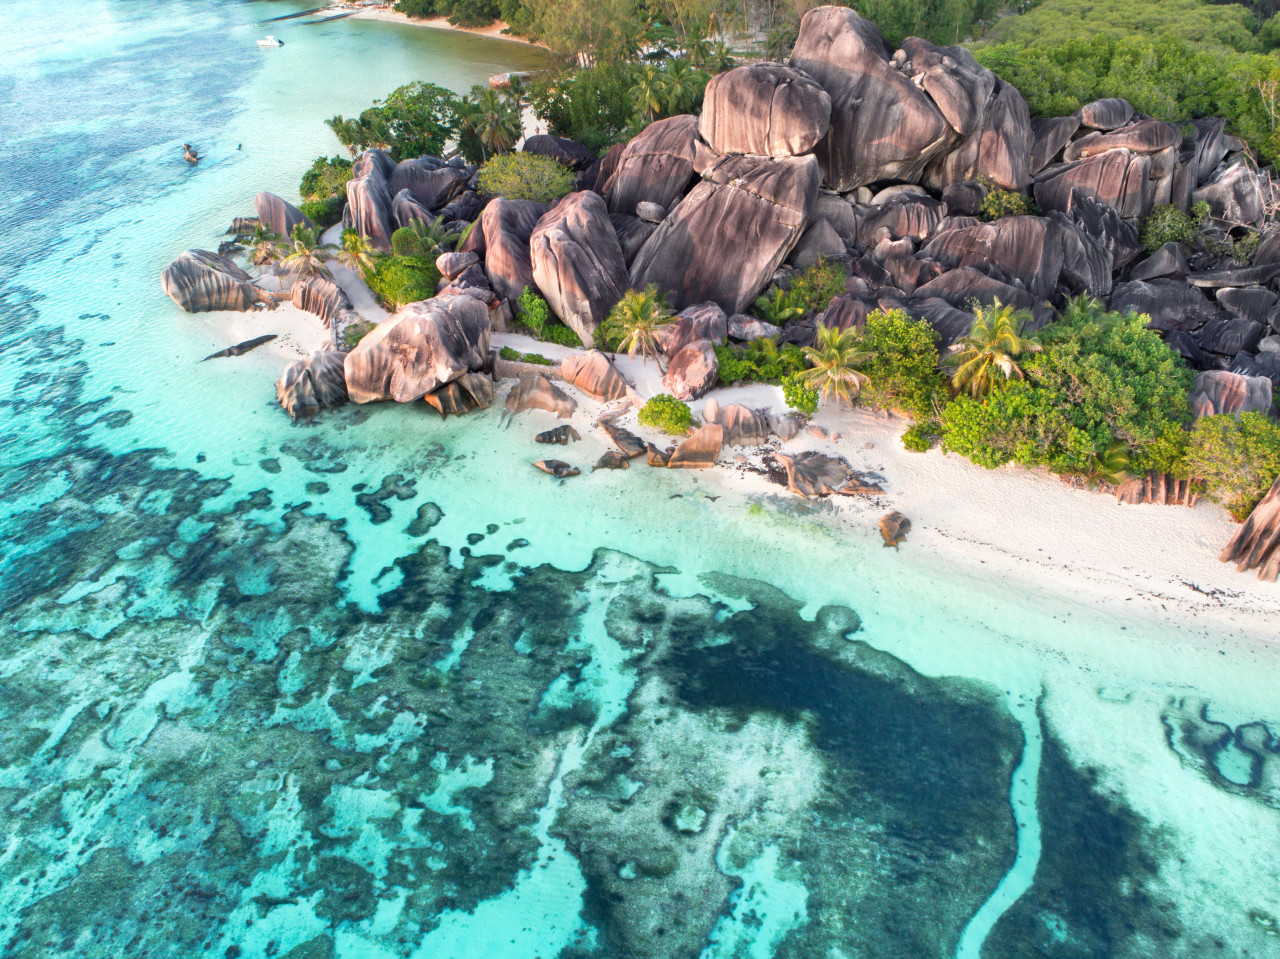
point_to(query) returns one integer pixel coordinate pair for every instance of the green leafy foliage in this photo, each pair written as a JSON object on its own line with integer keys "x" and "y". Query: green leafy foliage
{"x": 397, "y": 280}
{"x": 515, "y": 356}
{"x": 666, "y": 413}
{"x": 1238, "y": 459}
{"x": 918, "y": 438}
{"x": 1015, "y": 423}
{"x": 798, "y": 396}
{"x": 1168, "y": 224}
{"x": 833, "y": 370}
{"x": 901, "y": 364}
{"x": 760, "y": 361}
{"x": 326, "y": 177}
{"x": 560, "y": 335}
{"x": 633, "y": 323}
{"x": 532, "y": 311}
{"x": 1000, "y": 202}
{"x": 354, "y": 333}
{"x": 591, "y": 105}
{"x": 776, "y": 307}
{"x": 405, "y": 242}
{"x": 525, "y": 176}
{"x": 415, "y": 120}
{"x": 812, "y": 289}
{"x": 1212, "y": 26}
{"x": 488, "y": 123}
{"x": 324, "y": 213}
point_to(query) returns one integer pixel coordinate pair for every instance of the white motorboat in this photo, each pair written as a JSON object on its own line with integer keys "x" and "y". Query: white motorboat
{"x": 270, "y": 42}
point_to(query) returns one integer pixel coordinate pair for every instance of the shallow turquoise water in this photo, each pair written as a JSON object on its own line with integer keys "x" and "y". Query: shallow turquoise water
{"x": 367, "y": 688}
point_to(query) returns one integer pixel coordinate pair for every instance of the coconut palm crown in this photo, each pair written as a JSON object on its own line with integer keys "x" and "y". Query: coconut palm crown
{"x": 833, "y": 361}
{"x": 991, "y": 349}
{"x": 641, "y": 314}
{"x": 305, "y": 255}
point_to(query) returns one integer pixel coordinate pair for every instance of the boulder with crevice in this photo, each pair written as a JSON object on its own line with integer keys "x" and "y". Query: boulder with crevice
{"x": 569, "y": 153}
{"x": 321, "y": 296}
{"x": 406, "y": 210}
{"x": 699, "y": 450}
{"x": 1049, "y": 135}
{"x": 594, "y": 374}
{"x": 368, "y": 210}
{"x": 742, "y": 426}
{"x": 468, "y": 392}
{"x": 1220, "y": 391}
{"x": 655, "y": 166}
{"x": 767, "y": 109}
{"x": 308, "y": 386}
{"x": 702, "y": 321}
{"x": 429, "y": 181}
{"x": 507, "y": 226}
{"x": 1119, "y": 178}
{"x": 997, "y": 150}
{"x": 1106, "y": 114}
{"x": 693, "y": 371}
{"x": 1234, "y": 195}
{"x": 200, "y": 281}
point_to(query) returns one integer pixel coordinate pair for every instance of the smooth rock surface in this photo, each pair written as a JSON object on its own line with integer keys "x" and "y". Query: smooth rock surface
{"x": 692, "y": 372}
{"x": 764, "y": 108}
{"x": 508, "y": 225}
{"x": 200, "y": 281}
{"x": 279, "y": 216}
{"x": 595, "y": 375}
{"x": 307, "y": 386}
{"x": 656, "y": 166}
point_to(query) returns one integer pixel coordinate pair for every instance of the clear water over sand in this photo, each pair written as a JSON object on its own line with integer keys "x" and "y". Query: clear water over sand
{"x": 373, "y": 687}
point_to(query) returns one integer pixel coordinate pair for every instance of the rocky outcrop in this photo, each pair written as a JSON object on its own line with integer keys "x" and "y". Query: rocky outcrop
{"x": 321, "y": 296}
{"x": 406, "y": 210}
{"x": 747, "y": 328}
{"x": 1146, "y": 136}
{"x": 693, "y": 371}
{"x": 656, "y": 166}
{"x": 200, "y": 281}
{"x": 419, "y": 349}
{"x": 430, "y": 181}
{"x": 995, "y": 142}
{"x": 560, "y": 434}
{"x": 764, "y": 108}
{"x": 595, "y": 375}
{"x": 279, "y": 216}
{"x": 568, "y": 152}
{"x": 368, "y": 209}
{"x": 812, "y": 473}
{"x": 307, "y": 386}
{"x": 468, "y": 392}
{"x": 577, "y": 263}
{"x": 1161, "y": 489}
{"x": 557, "y": 468}
{"x": 1031, "y": 249}
{"x": 1219, "y": 391}
{"x": 883, "y": 127}
{"x": 1108, "y": 114}
{"x": 1119, "y": 178}
{"x": 1235, "y": 195}
{"x": 611, "y": 460}
{"x": 1049, "y": 136}
{"x": 627, "y": 442}
{"x": 1257, "y": 543}
{"x": 894, "y": 528}
{"x": 507, "y": 226}
{"x": 453, "y": 265}
{"x": 703, "y": 321}
{"x": 534, "y": 391}
{"x": 742, "y": 426}
{"x": 699, "y": 450}
{"x": 764, "y": 199}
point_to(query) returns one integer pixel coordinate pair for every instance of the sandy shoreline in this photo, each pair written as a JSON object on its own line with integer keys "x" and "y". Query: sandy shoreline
{"x": 493, "y": 31}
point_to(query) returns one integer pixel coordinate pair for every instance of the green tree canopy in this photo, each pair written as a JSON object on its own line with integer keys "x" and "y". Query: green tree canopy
{"x": 415, "y": 120}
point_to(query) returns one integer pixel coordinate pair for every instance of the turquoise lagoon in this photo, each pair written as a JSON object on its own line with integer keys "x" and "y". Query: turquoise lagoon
{"x": 370, "y": 687}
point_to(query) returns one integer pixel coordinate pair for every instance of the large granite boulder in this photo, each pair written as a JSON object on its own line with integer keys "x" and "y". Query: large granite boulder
{"x": 507, "y": 226}
{"x": 200, "y": 281}
{"x": 279, "y": 216}
{"x": 1048, "y": 137}
{"x": 1108, "y": 114}
{"x": 1257, "y": 543}
{"x": 1145, "y": 136}
{"x": 959, "y": 86}
{"x": 1252, "y": 303}
{"x": 1118, "y": 178}
{"x": 812, "y": 473}
{"x": 633, "y": 233}
{"x": 468, "y": 392}
{"x": 656, "y": 166}
{"x": 700, "y": 450}
{"x": 429, "y": 180}
{"x": 578, "y": 263}
{"x": 595, "y": 375}
{"x": 883, "y": 127}
{"x": 693, "y": 371}
{"x": 406, "y": 209}
{"x": 453, "y": 265}
{"x": 820, "y": 242}
{"x": 698, "y": 253}
{"x": 418, "y": 349}
{"x": 964, "y": 284}
{"x": 742, "y": 426}
{"x": 764, "y": 108}
{"x": 368, "y": 209}
{"x": 535, "y": 391}
{"x": 1170, "y": 304}
{"x": 1100, "y": 222}
{"x": 705, "y": 321}
{"x": 994, "y": 128}
{"x": 1235, "y": 195}
{"x": 1029, "y": 248}
{"x": 902, "y": 215}
{"x": 321, "y": 296}
{"x": 307, "y": 386}
{"x": 1220, "y": 391}
{"x": 1169, "y": 260}
{"x": 1210, "y": 147}
{"x": 568, "y": 152}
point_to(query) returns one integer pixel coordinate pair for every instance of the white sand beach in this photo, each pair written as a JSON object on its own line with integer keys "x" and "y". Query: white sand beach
{"x": 493, "y": 31}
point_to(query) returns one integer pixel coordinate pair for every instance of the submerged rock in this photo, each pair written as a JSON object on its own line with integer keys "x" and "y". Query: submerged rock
{"x": 557, "y": 468}
{"x": 468, "y": 392}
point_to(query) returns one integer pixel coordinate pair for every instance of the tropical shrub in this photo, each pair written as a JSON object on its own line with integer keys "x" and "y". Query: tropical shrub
{"x": 592, "y": 105}
{"x": 633, "y": 324}
{"x": 1000, "y": 202}
{"x": 776, "y": 307}
{"x": 415, "y": 120}
{"x": 1014, "y": 423}
{"x": 324, "y": 213}
{"x": 1168, "y": 224}
{"x": 798, "y": 396}
{"x": 326, "y": 177}
{"x": 760, "y": 361}
{"x": 666, "y": 413}
{"x": 833, "y": 362}
{"x": 488, "y": 123}
{"x": 507, "y": 353}
{"x": 902, "y": 364}
{"x": 1238, "y": 459}
{"x": 525, "y": 176}
{"x": 357, "y": 252}
{"x": 991, "y": 349}
{"x": 812, "y": 289}
{"x": 397, "y": 280}
{"x": 354, "y": 333}
{"x": 561, "y": 335}
{"x": 405, "y": 242}
{"x": 917, "y": 439}
{"x": 532, "y": 311}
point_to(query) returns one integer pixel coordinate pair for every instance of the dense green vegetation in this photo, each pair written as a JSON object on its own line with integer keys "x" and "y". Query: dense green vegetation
{"x": 326, "y": 177}
{"x": 1226, "y": 26}
{"x": 666, "y": 413}
{"x": 515, "y": 356}
{"x": 525, "y": 176}
{"x": 533, "y": 313}
{"x": 397, "y": 280}
{"x": 1238, "y": 458}
{"x": 1168, "y": 224}
{"x": 632, "y": 325}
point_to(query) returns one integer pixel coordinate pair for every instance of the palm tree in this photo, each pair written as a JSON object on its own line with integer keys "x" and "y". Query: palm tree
{"x": 993, "y": 345}
{"x": 648, "y": 90}
{"x": 435, "y": 237}
{"x": 493, "y": 121}
{"x": 718, "y": 59}
{"x": 681, "y": 84}
{"x": 640, "y": 314}
{"x": 306, "y": 256}
{"x": 263, "y": 245}
{"x": 1112, "y": 464}
{"x": 776, "y": 309}
{"x": 357, "y": 252}
{"x": 832, "y": 365}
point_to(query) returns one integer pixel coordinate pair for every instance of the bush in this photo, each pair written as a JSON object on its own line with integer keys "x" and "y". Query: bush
{"x": 760, "y": 361}
{"x": 525, "y": 176}
{"x": 999, "y": 202}
{"x": 918, "y": 439}
{"x": 902, "y": 364}
{"x": 668, "y": 414}
{"x": 326, "y": 177}
{"x": 1167, "y": 224}
{"x": 593, "y": 105}
{"x": 324, "y": 213}
{"x": 354, "y": 333}
{"x": 798, "y": 396}
{"x": 560, "y": 335}
{"x": 1014, "y": 423}
{"x": 415, "y": 120}
{"x": 397, "y": 280}
{"x": 515, "y": 356}
{"x": 1238, "y": 459}
{"x": 532, "y": 311}
{"x": 811, "y": 290}
{"x": 406, "y": 242}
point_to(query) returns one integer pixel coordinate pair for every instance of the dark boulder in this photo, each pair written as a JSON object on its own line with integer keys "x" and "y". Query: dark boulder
{"x": 820, "y": 242}
{"x": 429, "y": 181}
{"x": 279, "y": 216}
{"x": 508, "y": 225}
{"x": 656, "y": 166}
{"x": 464, "y": 209}
{"x": 964, "y": 198}
{"x": 747, "y": 328}
{"x": 1049, "y": 136}
{"x": 958, "y": 85}
{"x": 557, "y": 468}
{"x": 452, "y": 265}
{"x": 1171, "y": 304}
{"x": 1210, "y": 147}
{"x": 418, "y": 349}
{"x": 1230, "y": 336}
{"x": 1117, "y": 178}
{"x": 950, "y": 323}
{"x": 764, "y": 108}
{"x": 1118, "y": 236}
{"x": 910, "y": 272}
{"x": 693, "y": 371}
{"x": 1029, "y": 248}
{"x": 407, "y": 210}
{"x": 962, "y": 285}
{"x": 894, "y": 528}
{"x": 1235, "y": 276}
{"x": 559, "y": 434}
{"x": 883, "y": 127}
{"x": 200, "y": 281}
{"x": 1235, "y": 195}
{"x": 1145, "y": 136}
{"x": 611, "y": 460}
{"x": 1168, "y": 261}
{"x": 307, "y": 386}
{"x": 903, "y": 215}
{"x": 1108, "y": 114}
{"x": 1251, "y": 303}
{"x": 577, "y": 262}
{"x": 568, "y": 152}
{"x": 632, "y": 233}
{"x": 766, "y": 200}
{"x": 846, "y": 312}
{"x": 998, "y": 149}
{"x": 627, "y": 442}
